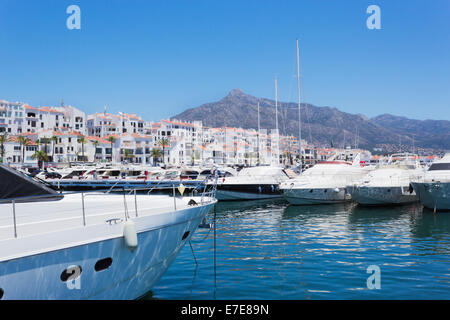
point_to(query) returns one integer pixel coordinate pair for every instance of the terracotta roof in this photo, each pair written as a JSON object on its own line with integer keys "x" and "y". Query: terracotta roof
{"x": 179, "y": 123}
{"x": 100, "y": 140}
{"x": 49, "y": 109}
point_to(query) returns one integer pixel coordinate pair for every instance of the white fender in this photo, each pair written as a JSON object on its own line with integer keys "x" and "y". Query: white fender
{"x": 130, "y": 235}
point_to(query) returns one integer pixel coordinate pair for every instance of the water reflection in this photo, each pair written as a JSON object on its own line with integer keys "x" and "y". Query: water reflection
{"x": 271, "y": 250}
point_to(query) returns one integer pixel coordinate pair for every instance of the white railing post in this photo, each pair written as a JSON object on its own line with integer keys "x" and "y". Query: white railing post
{"x": 14, "y": 217}
{"x": 135, "y": 203}
{"x": 125, "y": 206}
{"x": 174, "y": 197}
{"x": 84, "y": 214}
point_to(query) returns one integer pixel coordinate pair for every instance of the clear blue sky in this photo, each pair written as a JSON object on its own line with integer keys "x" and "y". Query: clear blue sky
{"x": 158, "y": 58}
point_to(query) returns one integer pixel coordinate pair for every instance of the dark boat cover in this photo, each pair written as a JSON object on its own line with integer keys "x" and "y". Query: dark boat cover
{"x": 14, "y": 184}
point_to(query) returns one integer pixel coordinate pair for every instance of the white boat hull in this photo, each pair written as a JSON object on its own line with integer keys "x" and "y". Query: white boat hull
{"x": 131, "y": 274}
{"x": 309, "y": 196}
{"x": 433, "y": 195}
{"x": 382, "y": 195}
{"x": 223, "y": 195}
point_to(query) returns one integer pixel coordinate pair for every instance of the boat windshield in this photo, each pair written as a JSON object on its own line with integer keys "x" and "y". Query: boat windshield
{"x": 439, "y": 166}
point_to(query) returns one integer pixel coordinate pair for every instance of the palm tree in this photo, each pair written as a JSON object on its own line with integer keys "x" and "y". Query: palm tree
{"x": 23, "y": 141}
{"x": 95, "y": 143}
{"x": 41, "y": 156}
{"x": 164, "y": 143}
{"x": 111, "y": 139}
{"x": 45, "y": 142}
{"x": 3, "y": 140}
{"x": 156, "y": 154}
{"x": 82, "y": 140}
{"x": 129, "y": 154}
{"x": 54, "y": 140}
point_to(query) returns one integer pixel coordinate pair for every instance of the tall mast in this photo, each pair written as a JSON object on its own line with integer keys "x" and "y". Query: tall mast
{"x": 257, "y": 136}
{"x": 276, "y": 104}
{"x": 299, "y": 115}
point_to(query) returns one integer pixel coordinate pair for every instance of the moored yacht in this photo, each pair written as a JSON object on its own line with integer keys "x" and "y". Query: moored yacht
{"x": 324, "y": 183}
{"x": 88, "y": 245}
{"x": 433, "y": 188}
{"x": 251, "y": 184}
{"x": 389, "y": 184}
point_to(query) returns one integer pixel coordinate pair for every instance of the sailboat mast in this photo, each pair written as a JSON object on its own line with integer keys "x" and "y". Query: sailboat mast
{"x": 276, "y": 104}
{"x": 257, "y": 136}
{"x": 299, "y": 115}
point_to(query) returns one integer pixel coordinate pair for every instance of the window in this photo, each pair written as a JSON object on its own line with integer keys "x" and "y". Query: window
{"x": 185, "y": 235}
{"x": 103, "y": 264}
{"x": 439, "y": 166}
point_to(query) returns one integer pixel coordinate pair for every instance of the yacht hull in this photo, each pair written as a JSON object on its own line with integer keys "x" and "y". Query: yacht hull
{"x": 224, "y": 195}
{"x": 247, "y": 192}
{"x": 131, "y": 274}
{"x": 298, "y": 196}
{"x": 379, "y": 196}
{"x": 433, "y": 195}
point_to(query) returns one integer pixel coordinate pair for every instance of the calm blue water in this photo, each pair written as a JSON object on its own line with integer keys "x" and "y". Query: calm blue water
{"x": 270, "y": 250}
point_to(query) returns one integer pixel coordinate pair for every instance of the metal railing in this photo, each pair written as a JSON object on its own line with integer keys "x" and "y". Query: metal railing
{"x": 209, "y": 191}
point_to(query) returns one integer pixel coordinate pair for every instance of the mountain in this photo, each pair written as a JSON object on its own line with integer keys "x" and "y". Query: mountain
{"x": 323, "y": 125}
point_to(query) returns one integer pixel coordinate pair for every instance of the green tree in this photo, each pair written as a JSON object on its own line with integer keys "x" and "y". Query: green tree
{"x": 129, "y": 155}
{"x": 164, "y": 143}
{"x": 45, "y": 141}
{"x": 95, "y": 143}
{"x": 111, "y": 140}
{"x": 54, "y": 140}
{"x": 3, "y": 140}
{"x": 156, "y": 154}
{"x": 82, "y": 140}
{"x": 22, "y": 142}
{"x": 41, "y": 156}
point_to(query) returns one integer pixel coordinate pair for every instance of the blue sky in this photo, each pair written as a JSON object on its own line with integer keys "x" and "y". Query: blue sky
{"x": 158, "y": 58}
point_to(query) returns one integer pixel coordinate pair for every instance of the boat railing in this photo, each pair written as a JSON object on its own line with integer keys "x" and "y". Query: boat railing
{"x": 207, "y": 196}
{"x": 209, "y": 193}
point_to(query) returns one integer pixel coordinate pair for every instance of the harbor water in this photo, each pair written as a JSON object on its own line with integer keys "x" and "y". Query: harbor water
{"x": 272, "y": 250}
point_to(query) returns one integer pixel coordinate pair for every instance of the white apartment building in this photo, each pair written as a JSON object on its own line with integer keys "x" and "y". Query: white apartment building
{"x": 11, "y": 117}
{"x": 103, "y": 124}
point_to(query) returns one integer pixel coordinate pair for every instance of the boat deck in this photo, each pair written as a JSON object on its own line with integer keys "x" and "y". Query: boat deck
{"x": 34, "y": 218}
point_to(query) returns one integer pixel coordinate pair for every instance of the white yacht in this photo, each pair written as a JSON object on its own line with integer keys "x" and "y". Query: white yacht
{"x": 251, "y": 184}
{"x": 324, "y": 183}
{"x": 433, "y": 188}
{"x": 88, "y": 245}
{"x": 389, "y": 184}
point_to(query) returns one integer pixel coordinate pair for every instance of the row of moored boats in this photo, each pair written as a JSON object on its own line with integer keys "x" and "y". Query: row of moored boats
{"x": 399, "y": 180}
